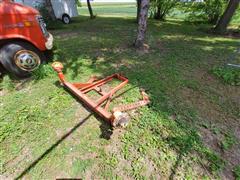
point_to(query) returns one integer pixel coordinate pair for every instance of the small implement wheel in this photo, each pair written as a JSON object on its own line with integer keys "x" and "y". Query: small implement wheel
{"x": 66, "y": 19}
{"x": 121, "y": 119}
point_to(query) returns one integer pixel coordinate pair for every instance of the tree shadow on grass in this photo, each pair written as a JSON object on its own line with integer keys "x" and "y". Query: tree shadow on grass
{"x": 106, "y": 132}
{"x": 35, "y": 162}
{"x": 98, "y": 42}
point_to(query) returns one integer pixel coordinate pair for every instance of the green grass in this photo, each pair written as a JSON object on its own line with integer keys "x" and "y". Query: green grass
{"x": 7, "y": 84}
{"x": 236, "y": 18}
{"x": 46, "y": 133}
{"x": 237, "y": 172}
{"x": 129, "y": 10}
{"x": 228, "y": 141}
{"x": 228, "y": 75}
{"x": 110, "y": 9}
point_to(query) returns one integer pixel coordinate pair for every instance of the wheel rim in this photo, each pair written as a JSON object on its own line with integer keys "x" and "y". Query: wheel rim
{"x": 27, "y": 60}
{"x": 66, "y": 19}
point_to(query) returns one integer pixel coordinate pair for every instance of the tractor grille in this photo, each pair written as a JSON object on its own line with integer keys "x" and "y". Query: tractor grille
{"x": 42, "y": 25}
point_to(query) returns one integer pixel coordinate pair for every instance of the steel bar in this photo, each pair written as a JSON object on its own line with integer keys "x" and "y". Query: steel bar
{"x": 116, "y": 117}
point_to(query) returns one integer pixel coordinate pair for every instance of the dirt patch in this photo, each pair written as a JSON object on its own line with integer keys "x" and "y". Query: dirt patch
{"x": 91, "y": 173}
{"x": 232, "y": 158}
{"x": 210, "y": 139}
{"x": 115, "y": 145}
{"x": 145, "y": 49}
{"x": 14, "y": 166}
{"x": 151, "y": 170}
{"x": 123, "y": 164}
{"x": 23, "y": 84}
{"x": 3, "y": 92}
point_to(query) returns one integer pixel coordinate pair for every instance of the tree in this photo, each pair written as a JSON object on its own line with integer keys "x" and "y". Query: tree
{"x": 138, "y": 9}
{"x": 50, "y": 10}
{"x": 142, "y": 24}
{"x": 90, "y": 9}
{"x": 160, "y": 8}
{"x": 225, "y": 19}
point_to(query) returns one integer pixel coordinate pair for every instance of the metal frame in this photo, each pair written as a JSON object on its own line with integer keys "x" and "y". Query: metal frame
{"x": 101, "y": 105}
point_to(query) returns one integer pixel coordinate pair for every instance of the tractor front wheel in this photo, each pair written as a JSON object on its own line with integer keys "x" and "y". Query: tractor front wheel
{"x": 20, "y": 58}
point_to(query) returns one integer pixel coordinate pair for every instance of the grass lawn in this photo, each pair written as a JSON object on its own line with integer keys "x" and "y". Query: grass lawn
{"x": 110, "y": 9}
{"x": 189, "y": 131}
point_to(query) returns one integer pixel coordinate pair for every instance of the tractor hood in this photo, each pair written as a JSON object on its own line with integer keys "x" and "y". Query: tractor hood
{"x": 11, "y": 8}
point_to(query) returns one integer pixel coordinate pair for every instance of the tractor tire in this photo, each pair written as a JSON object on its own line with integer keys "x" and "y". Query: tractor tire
{"x": 20, "y": 58}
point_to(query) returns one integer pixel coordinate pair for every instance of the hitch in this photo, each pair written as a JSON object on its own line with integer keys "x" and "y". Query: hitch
{"x": 116, "y": 117}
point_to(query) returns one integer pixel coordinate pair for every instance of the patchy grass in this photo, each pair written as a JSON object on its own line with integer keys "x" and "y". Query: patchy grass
{"x": 47, "y": 133}
{"x": 237, "y": 172}
{"x": 228, "y": 75}
{"x": 228, "y": 141}
{"x": 7, "y": 84}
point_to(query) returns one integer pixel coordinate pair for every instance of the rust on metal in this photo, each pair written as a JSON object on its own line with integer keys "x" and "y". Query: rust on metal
{"x": 116, "y": 117}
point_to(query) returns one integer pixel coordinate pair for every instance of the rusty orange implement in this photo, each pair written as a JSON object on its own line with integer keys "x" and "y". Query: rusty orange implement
{"x": 101, "y": 106}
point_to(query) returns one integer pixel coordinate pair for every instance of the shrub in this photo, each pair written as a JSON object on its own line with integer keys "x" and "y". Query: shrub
{"x": 43, "y": 71}
{"x": 160, "y": 8}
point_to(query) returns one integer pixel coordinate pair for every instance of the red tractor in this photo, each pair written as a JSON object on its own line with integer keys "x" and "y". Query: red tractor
{"x": 23, "y": 38}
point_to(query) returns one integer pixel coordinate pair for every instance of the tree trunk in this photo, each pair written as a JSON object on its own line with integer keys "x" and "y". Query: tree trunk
{"x": 142, "y": 24}
{"x": 225, "y": 19}
{"x": 90, "y": 9}
{"x": 138, "y": 9}
{"x": 50, "y": 9}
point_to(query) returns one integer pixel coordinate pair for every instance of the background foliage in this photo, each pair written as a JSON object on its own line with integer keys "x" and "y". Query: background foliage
{"x": 206, "y": 11}
{"x": 160, "y": 8}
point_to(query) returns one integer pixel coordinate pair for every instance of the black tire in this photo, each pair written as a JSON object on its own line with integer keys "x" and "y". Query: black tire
{"x": 2, "y": 70}
{"x": 8, "y": 55}
{"x": 66, "y": 19}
